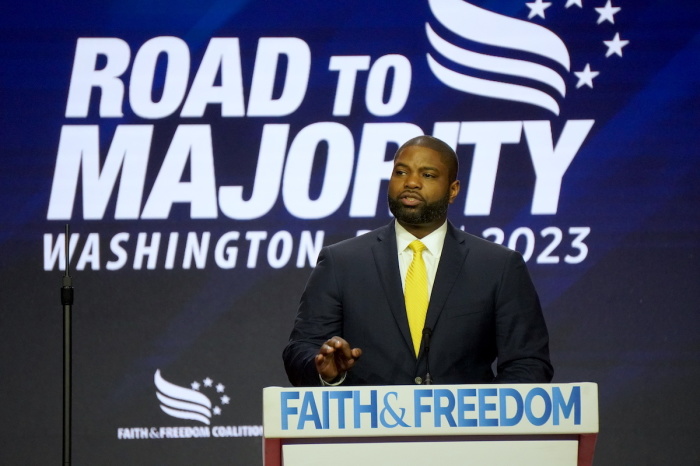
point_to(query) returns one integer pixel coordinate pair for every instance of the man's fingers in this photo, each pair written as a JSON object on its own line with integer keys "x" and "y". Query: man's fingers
{"x": 342, "y": 346}
{"x": 336, "y": 355}
{"x": 345, "y": 364}
{"x": 346, "y": 351}
{"x": 341, "y": 350}
{"x": 323, "y": 358}
{"x": 325, "y": 363}
{"x": 326, "y": 349}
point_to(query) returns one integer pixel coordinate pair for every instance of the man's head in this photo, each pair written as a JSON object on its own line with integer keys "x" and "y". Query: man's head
{"x": 449, "y": 157}
{"x": 422, "y": 184}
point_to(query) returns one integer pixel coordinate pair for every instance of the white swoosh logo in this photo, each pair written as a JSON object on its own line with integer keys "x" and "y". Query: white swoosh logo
{"x": 182, "y": 402}
{"x": 489, "y": 28}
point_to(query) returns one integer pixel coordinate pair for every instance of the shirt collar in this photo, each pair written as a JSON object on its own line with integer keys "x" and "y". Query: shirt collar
{"x": 433, "y": 242}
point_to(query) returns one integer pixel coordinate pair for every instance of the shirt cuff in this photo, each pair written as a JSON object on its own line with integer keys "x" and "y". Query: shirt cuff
{"x": 333, "y": 384}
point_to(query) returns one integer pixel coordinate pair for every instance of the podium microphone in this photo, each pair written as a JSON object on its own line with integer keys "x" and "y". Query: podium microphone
{"x": 427, "y": 333}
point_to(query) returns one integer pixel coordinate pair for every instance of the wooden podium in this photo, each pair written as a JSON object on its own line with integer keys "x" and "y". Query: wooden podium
{"x": 495, "y": 425}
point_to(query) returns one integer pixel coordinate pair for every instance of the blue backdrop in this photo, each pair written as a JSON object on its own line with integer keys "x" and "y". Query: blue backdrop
{"x": 203, "y": 152}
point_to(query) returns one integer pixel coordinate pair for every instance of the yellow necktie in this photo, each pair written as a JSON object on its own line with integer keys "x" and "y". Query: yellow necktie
{"x": 416, "y": 294}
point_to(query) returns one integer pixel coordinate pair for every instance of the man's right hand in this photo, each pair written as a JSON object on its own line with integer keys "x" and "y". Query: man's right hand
{"x": 335, "y": 358}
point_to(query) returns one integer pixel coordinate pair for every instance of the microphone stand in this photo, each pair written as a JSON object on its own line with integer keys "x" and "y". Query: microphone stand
{"x": 67, "y": 303}
{"x": 427, "y": 333}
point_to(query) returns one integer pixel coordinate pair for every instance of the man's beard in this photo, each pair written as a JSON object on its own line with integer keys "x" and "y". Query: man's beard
{"x": 422, "y": 214}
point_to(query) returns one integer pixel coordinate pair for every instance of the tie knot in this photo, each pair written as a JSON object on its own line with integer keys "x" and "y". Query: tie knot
{"x": 417, "y": 247}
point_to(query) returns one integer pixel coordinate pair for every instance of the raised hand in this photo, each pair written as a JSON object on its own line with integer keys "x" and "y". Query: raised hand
{"x": 335, "y": 358}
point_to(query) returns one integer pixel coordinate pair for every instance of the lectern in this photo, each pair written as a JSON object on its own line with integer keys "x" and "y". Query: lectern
{"x": 436, "y": 425}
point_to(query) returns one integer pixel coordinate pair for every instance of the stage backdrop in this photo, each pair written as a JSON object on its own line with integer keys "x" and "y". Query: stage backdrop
{"x": 204, "y": 151}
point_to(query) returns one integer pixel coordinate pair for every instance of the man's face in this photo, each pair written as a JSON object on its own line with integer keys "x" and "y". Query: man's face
{"x": 420, "y": 189}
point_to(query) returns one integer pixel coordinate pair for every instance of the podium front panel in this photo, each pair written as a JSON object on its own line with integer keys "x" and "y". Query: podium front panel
{"x": 417, "y": 453}
{"x": 545, "y": 424}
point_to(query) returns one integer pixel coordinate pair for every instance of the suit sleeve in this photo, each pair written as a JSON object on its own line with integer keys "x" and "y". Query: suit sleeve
{"x": 319, "y": 317}
{"x": 521, "y": 333}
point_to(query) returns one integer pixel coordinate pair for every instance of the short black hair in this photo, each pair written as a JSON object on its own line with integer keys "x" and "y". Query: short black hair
{"x": 446, "y": 152}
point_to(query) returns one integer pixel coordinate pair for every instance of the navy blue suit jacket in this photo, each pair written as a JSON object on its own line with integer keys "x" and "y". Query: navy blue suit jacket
{"x": 483, "y": 307}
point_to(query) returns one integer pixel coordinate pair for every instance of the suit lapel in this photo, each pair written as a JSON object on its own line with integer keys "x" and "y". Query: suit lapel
{"x": 454, "y": 254}
{"x": 386, "y": 259}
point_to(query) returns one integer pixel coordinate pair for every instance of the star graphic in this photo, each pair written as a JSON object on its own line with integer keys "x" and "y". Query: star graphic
{"x": 586, "y": 76}
{"x": 208, "y": 382}
{"x": 220, "y": 388}
{"x": 615, "y": 45}
{"x": 195, "y": 385}
{"x": 578, "y": 3}
{"x": 607, "y": 12}
{"x": 216, "y": 410}
{"x": 537, "y": 8}
{"x": 225, "y": 399}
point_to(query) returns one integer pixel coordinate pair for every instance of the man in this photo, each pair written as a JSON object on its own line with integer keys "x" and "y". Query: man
{"x": 471, "y": 298}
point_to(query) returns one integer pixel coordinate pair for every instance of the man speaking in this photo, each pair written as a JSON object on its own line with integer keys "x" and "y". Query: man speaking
{"x": 419, "y": 296}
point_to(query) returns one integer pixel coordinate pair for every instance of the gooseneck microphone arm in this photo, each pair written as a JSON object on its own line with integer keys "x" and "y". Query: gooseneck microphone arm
{"x": 67, "y": 303}
{"x": 427, "y": 333}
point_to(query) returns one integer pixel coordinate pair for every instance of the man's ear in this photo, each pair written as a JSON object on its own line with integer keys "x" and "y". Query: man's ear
{"x": 454, "y": 190}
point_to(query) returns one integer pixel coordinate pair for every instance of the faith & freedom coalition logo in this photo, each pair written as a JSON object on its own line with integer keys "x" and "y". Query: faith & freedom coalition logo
{"x": 203, "y": 402}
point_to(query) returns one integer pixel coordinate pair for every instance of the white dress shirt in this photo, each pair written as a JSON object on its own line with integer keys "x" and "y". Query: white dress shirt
{"x": 431, "y": 255}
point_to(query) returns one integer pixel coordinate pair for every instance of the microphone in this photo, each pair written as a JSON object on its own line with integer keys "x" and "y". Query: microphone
{"x": 427, "y": 333}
